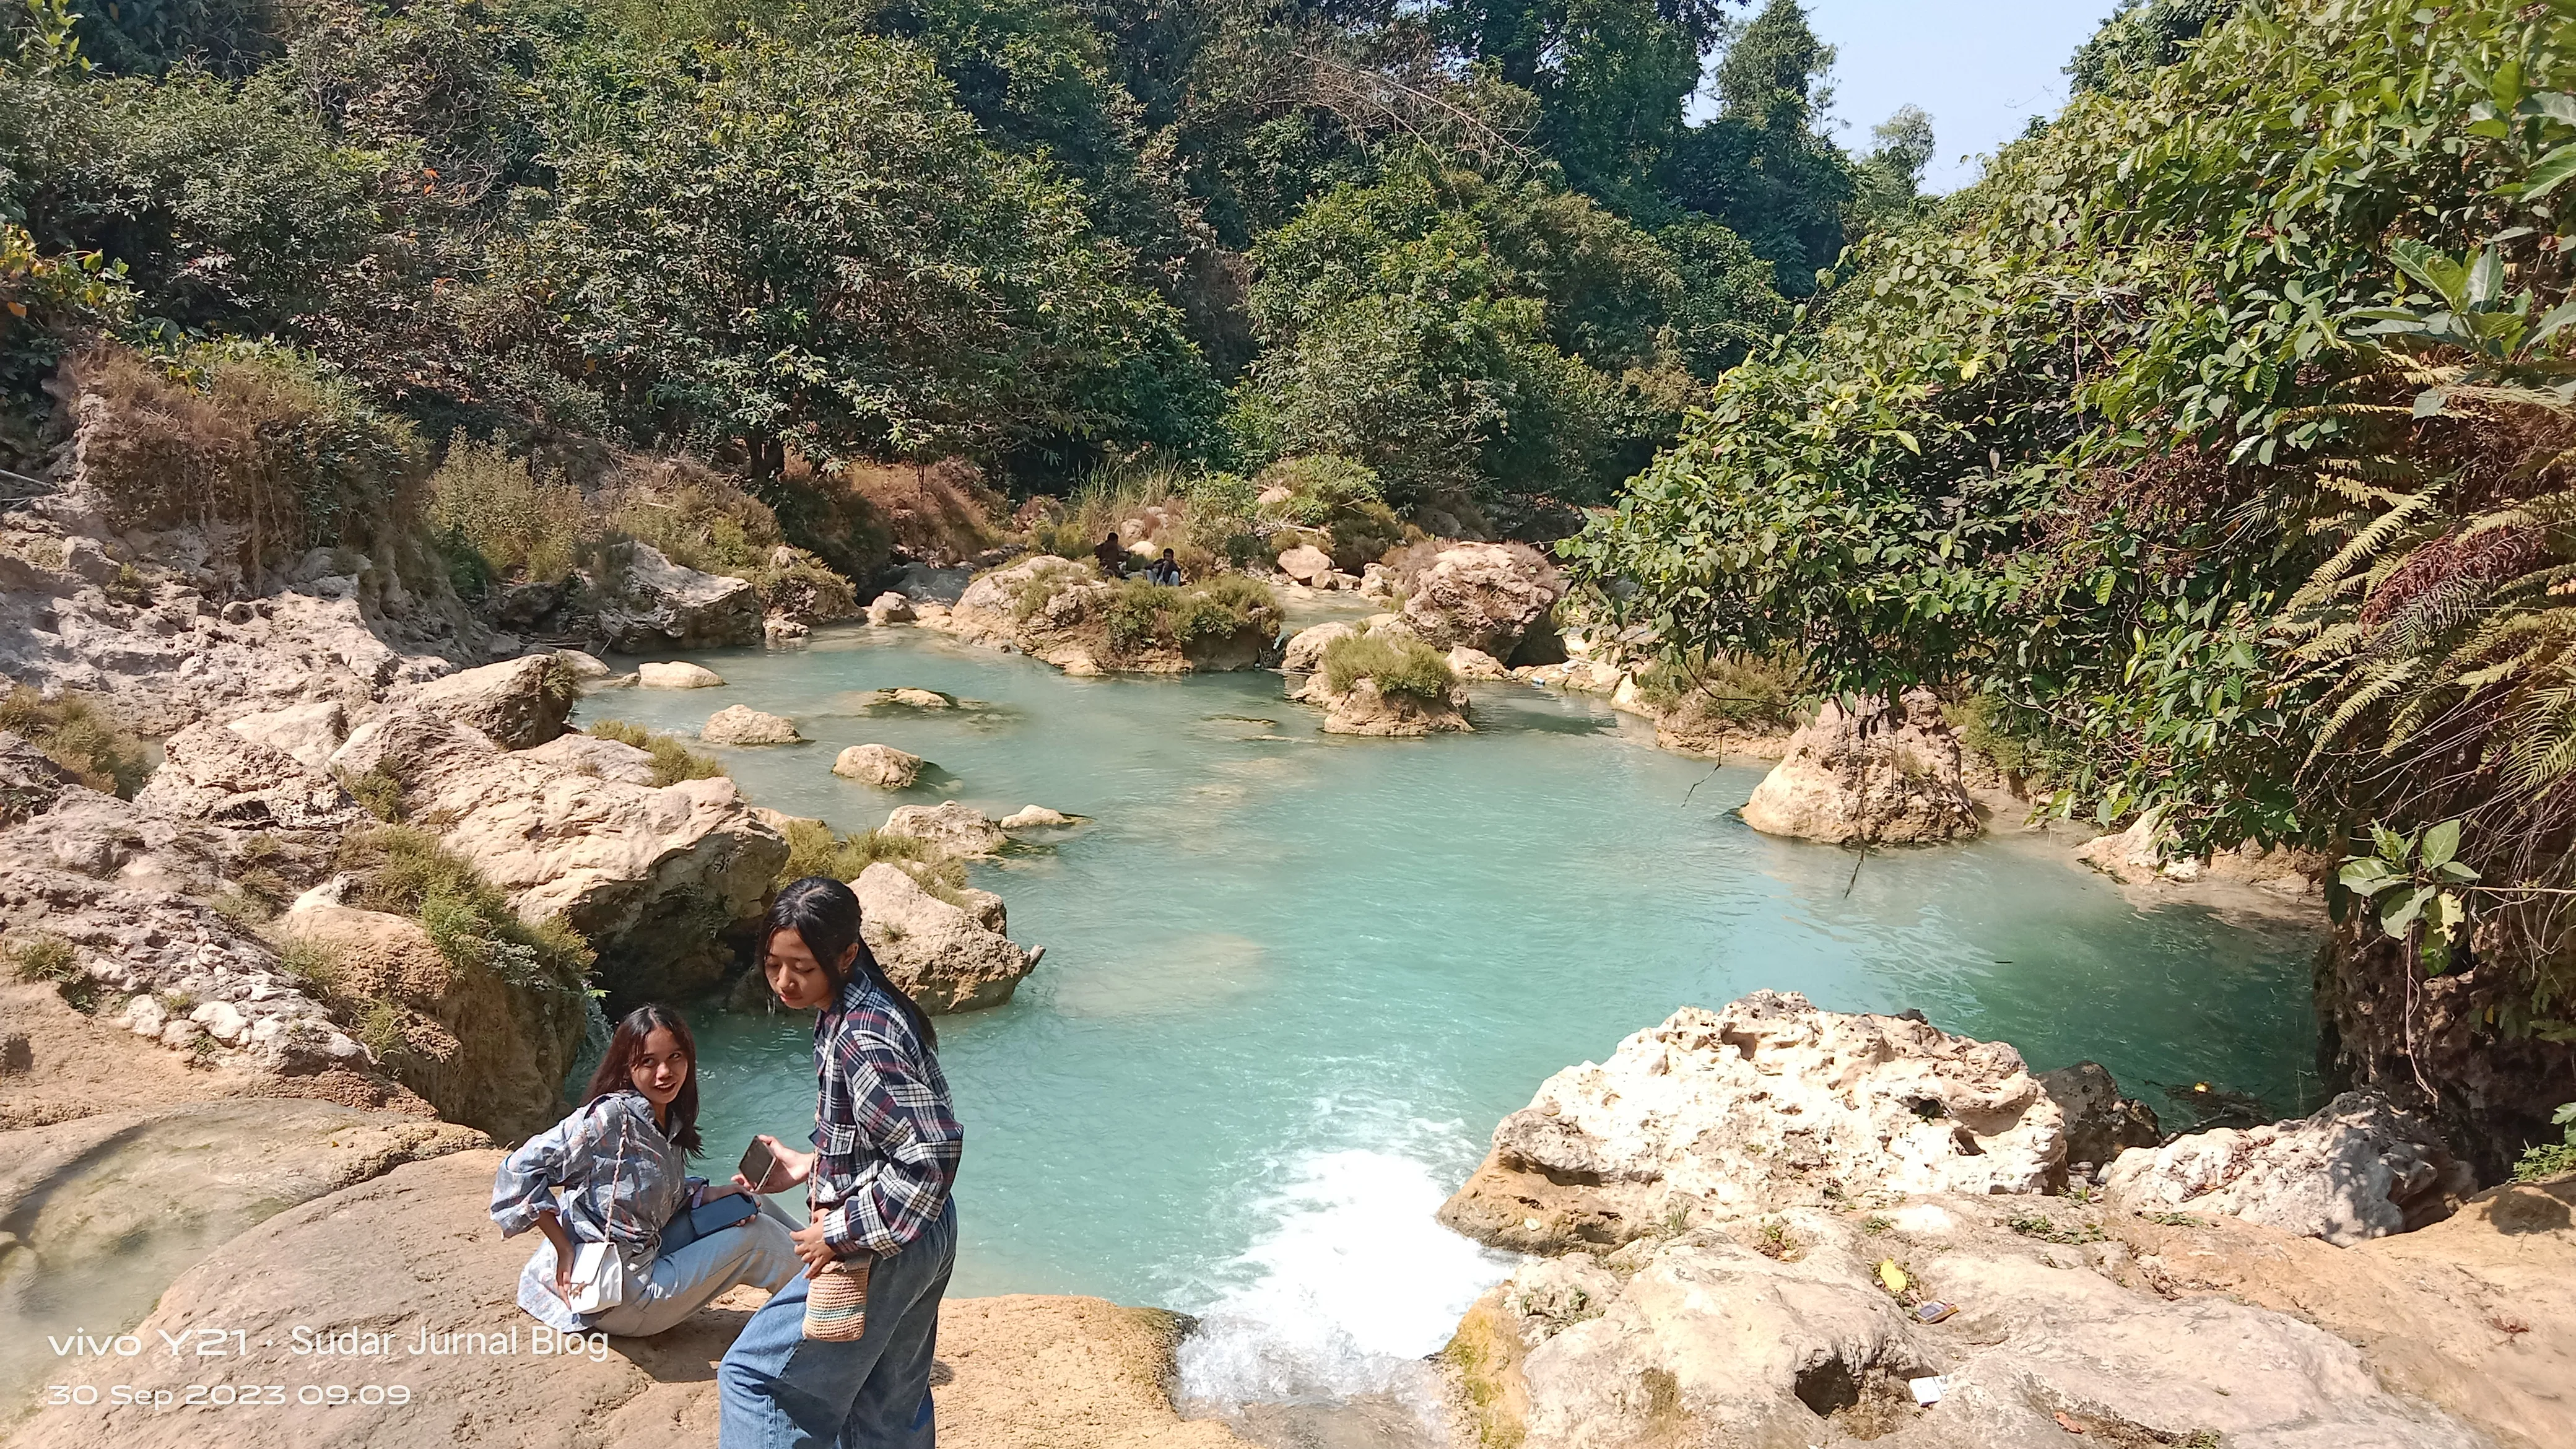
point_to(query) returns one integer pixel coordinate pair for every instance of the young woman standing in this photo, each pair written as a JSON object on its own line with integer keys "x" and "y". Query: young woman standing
{"x": 886, "y": 1150}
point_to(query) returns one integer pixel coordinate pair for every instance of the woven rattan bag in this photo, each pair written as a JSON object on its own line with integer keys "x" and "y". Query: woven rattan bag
{"x": 836, "y": 1304}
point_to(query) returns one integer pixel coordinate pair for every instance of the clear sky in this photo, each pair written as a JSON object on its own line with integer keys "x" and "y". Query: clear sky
{"x": 1982, "y": 68}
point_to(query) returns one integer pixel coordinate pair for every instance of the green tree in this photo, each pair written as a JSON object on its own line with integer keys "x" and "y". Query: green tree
{"x": 1761, "y": 165}
{"x": 768, "y": 248}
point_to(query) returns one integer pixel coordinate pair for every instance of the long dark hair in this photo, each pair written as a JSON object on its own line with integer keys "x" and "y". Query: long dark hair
{"x": 825, "y": 914}
{"x": 616, "y": 1069}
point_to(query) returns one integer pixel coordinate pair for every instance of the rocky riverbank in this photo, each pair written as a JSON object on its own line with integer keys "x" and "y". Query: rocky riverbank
{"x": 269, "y": 1008}
{"x": 1772, "y": 1224}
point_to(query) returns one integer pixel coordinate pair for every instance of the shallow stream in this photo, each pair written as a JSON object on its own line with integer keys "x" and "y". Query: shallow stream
{"x": 1292, "y": 981}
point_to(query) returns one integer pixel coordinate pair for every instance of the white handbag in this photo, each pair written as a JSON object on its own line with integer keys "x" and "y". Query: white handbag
{"x": 599, "y": 1269}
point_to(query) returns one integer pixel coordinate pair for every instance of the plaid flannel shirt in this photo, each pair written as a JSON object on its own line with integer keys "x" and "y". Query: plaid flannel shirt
{"x": 886, "y": 1140}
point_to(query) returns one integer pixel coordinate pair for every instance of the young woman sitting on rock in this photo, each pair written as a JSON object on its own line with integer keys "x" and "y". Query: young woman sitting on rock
{"x": 621, "y": 1166}
{"x": 887, "y": 1145}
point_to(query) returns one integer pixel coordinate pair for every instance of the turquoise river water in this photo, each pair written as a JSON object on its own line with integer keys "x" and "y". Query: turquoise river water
{"x": 1292, "y": 981}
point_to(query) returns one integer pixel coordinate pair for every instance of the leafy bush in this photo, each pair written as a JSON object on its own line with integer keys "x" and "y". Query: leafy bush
{"x": 407, "y": 872}
{"x": 2545, "y": 1160}
{"x": 1143, "y": 616}
{"x": 1400, "y": 663}
{"x": 1728, "y": 692}
{"x": 673, "y": 761}
{"x": 45, "y": 302}
{"x": 77, "y": 733}
{"x": 701, "y": 519}
{"x": 254, "y": 436}
{"x": 510, "y": 520}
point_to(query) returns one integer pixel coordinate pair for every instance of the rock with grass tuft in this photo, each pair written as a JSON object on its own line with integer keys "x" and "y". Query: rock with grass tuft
{"x": 938, "y": 952}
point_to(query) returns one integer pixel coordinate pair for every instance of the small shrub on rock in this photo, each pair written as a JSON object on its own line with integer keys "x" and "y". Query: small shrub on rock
{"x": 43, "y": 956}
{"x": 2546, "y": 1160}
{"x": 1400, "y": 663}
{"x": 498, "y": 517}
{"x": 1726, "y": 692}
{"x": 1142, "y": 616}
{"x": 672, "y": 760}
{"x": 77, "y": 733}
{"x": 814, "y": 848}
{"x": 406, "y": 872}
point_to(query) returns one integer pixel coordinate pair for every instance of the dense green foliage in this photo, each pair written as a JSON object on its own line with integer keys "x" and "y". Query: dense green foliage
{"x": 2215, "y": 450}
{"x": 1477, "y": 246}
{"x": 1398, "y": 663}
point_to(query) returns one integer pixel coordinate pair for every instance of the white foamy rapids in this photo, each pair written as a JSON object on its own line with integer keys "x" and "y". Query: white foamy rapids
{"x": 1353, "y": 1285}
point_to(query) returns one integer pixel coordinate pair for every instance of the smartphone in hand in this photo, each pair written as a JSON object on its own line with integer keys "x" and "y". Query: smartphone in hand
{"x": 757, "y": 1164}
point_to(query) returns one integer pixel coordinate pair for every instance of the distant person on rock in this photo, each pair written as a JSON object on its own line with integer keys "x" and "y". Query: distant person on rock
{"x": 877, "y": 1186}
{"x": 1166, "y": 571}
{"x": 1113, "y": 558}
{"x": 621, "y": 1164}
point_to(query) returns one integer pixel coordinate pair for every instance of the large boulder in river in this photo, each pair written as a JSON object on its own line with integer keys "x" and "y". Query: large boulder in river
{"x": 1872, "y": 775}
{"x": 484, "y": 1050}
{"x": 952, "y": 825}
{"x": 1767, "y": 1103}
{"x": 1059, "y": 611}
{"x": 883, "y": 766}
{"x": 649, "y": 876}
{"x": 740, "y": 724}
{"x": 677, "y": 675}
{"x": 1305, "y": 651}
{"x": 2360, "y": 1167}
{"x": 648, "y": 603}
{"x": 218, "y": 775}
{"x": 517, "y": 703}
{"x": 1371, "y": 710}
{"x": 941, "y": 954}
{"x": 1486, "y": 596}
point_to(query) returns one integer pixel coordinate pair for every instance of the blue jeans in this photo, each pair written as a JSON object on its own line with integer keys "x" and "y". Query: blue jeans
{"x": 779, "y": 1390}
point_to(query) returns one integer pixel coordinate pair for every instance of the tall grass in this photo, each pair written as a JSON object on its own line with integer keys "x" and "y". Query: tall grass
{"x": 672, "y": 760}
{"x": 78, "y": 733}
{"x": 1400, "y": 663}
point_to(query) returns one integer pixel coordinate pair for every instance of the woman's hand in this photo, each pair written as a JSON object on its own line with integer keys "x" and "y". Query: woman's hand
{"x": 813, "y": 1247}
{"x": 552, "y": 1226}
{"x": 799, "y": 1166}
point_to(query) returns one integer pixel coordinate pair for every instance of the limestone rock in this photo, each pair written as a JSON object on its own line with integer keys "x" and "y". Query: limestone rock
{"x": 985, "y": 909}
{"x": 651, "y": 603}
{"x": 920, "y": 699}
{"x": 1038, "y": 817}
{"x": 584, "y": 667}
{"x": 883, "y": 766}
{"x": 1057, "y": 611}
{"x": 738, "y": 724}
{"x": 214, "y": 774}
{"x": 585, "y": 754}
{"x": 1485, "y": 596}
{"x": 1476, "y": 664}
{"x": 890, "y": 608}
{"x": 2359, "y": 1168}
{"x": 677, "y": 676}
{"x": 517, "y": 703}
{"x": 483, "y": 1050}
{"x": 1781, "y": 1332}
{"x": 938, "y": 953}
{"x": 1879, "y": 776}
{"x": 779, "y": 629}
{"x": 647, "y": 875}
{"x": 309, "y": 732}
{"x": 2143, "y": 854}
{"x": 1365, "y": 709}
{"x": 1305, "y": 652}
{"x": 30, "y": 782}
{"x": 2100, "y": 1123}
{"x": 106, "y": 1210}
{"x": 1755, "y": 1107}
{"x": 414, "y": 1249}
{"x": 1306, "y": 563}
{"x": 953, "y": 825}
{"x": 1377, "y": 581}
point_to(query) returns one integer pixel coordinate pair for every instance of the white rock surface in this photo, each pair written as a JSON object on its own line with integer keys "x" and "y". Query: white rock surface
{"x": 309, "y": 732}
{"x": 215, "y": 774}
{"x": 517, "y": 703}
{"x": 1482, "y": 595}
{"x": 1306, "y": 563}
{"x": 740, "y": 724}
{"x": 890, "y": 608}
{"x": 1305, "y": 653}
{"x": 656, "y": 604}
{"x": 883, "y": 766}
{"x": 940, "y": 954}
{"x": 953, "y": 825}
{"x": 1038, "y": 817}
{"x": 1767, "y": 1103}
{"x": 2359, "y": 1168}
{"x": 1876, "y": 775}
{"x": 1476, "y": 664}
{"x": 677, "y": 676}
